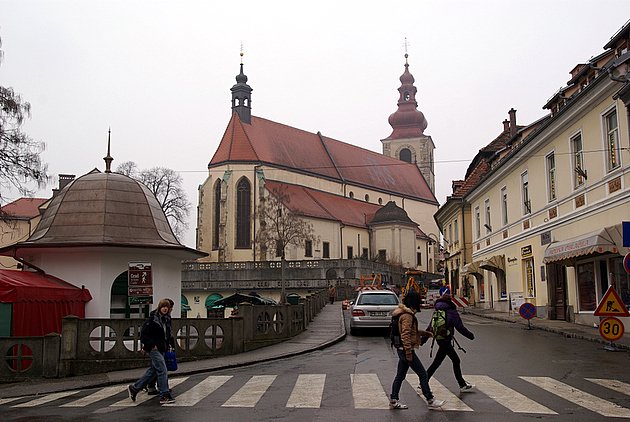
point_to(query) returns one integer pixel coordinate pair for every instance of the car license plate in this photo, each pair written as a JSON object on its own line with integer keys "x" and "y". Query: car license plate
{"x": 378, "y": 313}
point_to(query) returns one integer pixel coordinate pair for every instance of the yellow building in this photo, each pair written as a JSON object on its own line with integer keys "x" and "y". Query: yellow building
{"x": 545, "y": 216}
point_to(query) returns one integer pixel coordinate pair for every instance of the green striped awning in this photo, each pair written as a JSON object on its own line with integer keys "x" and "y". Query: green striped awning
{"x": 211, "y": 299}
{"x": 185, "y": 305}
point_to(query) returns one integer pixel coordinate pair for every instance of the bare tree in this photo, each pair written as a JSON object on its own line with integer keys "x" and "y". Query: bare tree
{"x": 166, "y": 185}
{"x": 20, "y": 162}
{"x": 280, "y": 226}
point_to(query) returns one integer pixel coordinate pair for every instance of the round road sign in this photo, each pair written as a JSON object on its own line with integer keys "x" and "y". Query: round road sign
{"x": 527, "y": 310}
{"x": 626, "y": 263}
{"x": 611, "y": 329}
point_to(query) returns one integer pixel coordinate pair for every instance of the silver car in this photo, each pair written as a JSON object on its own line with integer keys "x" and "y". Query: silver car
{"x": 372, "y": 309}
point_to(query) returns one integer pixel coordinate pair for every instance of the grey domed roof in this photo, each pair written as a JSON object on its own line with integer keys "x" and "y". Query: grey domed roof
{"x": 104, "y": 209}
{"x": 391, "y": 213}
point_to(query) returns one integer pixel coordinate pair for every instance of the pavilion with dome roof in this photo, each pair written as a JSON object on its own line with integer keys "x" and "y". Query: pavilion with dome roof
{"x": 90, "y": 233}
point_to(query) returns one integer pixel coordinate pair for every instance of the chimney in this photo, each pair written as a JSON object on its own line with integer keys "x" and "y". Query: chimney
{"x": 64, "y": 180}
{"x": 512, "y": 113}
{"x": 506, "y": 125}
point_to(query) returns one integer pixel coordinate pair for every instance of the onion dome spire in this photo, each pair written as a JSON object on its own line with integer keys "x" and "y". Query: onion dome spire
{"x": 407, "y": 121}
{"x": 242, "y": 96}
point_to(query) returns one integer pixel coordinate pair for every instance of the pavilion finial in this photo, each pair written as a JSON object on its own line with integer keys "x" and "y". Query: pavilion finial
{"x": 108, "y": 159}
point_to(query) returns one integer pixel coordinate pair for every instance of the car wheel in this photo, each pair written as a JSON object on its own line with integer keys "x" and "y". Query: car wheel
{"x": 353, "y": 331}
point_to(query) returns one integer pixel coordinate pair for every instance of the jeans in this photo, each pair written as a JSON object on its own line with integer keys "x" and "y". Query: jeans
{"x": 446, "y": 349}
{"x": 417, "y": 367}
{"x": 157, "y": 368}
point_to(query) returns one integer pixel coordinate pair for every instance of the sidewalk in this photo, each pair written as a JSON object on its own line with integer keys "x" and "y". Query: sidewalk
{"x": 566, "y": 329}
{"x": 327, "y": 328}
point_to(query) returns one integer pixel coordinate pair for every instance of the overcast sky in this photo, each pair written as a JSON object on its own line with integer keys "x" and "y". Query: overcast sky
{"x": 159, "y": 72}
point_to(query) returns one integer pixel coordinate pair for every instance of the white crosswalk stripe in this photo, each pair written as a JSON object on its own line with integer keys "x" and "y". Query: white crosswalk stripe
{"x": 368, "y": 393}
{"x": 507, "y": 397}
{"x": 581, "y": 398}
{"x": 46, "y": 399}
{"x": 308, "y": 391}
{"x": 249, "y": 394}
{"x": 200, "y": 391}
{"x": 619, "y": 386}
{"x": 96, "y": 396}
{"x": 9, "y": 400}
{"x": 451, "y": 401}
{"x": 142, "y": 397}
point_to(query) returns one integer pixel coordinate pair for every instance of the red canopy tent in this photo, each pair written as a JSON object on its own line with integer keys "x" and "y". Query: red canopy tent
{"x": 40, "y": 301}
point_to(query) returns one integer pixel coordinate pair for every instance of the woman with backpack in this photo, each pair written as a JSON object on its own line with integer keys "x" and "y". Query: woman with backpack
{"x": 405, "y": 318}
{"x": 444, "y": 322}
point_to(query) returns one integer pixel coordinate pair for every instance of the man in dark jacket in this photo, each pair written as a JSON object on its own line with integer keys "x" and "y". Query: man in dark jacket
{"x": 445, "y": 345}
{"x": 156, "y": 338}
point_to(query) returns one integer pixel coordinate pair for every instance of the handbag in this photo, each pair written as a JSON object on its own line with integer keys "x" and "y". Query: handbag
{"x": 171, "y": 360}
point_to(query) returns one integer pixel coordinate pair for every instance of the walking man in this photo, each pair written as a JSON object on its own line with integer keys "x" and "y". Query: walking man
{"x": 156, "y": 338}
{"x": 443, "y": 332}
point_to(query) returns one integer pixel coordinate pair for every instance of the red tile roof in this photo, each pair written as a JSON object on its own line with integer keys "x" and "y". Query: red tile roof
{"x": 268, "y": 142}
{"x": 317, "y": 204}
{"x": 24, "y": 207}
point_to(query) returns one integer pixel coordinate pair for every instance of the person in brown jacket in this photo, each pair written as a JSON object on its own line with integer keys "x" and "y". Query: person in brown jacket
{"x": 410, "y": 340}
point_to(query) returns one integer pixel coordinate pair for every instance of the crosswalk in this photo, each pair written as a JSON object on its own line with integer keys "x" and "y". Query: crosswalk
{"x": 368, "y": 391}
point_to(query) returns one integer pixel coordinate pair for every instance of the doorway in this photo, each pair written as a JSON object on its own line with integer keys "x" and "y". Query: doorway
{"x": 557, "y": 291}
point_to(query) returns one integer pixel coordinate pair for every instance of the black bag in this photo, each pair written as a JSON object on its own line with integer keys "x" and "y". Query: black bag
{"x": 171, "y": 360}
{"x": 394, "y": 332}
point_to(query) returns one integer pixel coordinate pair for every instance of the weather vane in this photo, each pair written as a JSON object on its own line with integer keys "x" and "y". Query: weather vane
{"x": 406, "y": 44}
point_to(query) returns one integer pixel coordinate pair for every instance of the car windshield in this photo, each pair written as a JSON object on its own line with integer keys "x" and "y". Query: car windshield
{"x": 378, "y": 299}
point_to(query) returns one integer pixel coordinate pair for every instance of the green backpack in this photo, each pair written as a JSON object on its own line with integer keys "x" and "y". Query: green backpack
{"x": 438, "y": 325}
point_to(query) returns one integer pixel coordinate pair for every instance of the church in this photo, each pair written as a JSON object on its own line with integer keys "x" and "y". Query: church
{"x": 360, "y": 203}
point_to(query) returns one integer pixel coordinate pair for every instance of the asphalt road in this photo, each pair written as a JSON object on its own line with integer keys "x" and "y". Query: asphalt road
{"x": 521, "y": 375}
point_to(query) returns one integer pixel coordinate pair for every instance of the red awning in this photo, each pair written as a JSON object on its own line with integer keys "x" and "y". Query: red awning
{"x": 39, "y": 301}
{"x": 28, "y": 286}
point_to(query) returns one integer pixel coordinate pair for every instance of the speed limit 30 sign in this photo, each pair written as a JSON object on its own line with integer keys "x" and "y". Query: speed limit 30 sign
{"x": 611, "y": 329}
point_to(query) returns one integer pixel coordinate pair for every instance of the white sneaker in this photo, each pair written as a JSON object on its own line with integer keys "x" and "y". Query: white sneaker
{"x": 396, "y": 404}
{"x": 435, "y": 403}
{"x": 466, "y": 387}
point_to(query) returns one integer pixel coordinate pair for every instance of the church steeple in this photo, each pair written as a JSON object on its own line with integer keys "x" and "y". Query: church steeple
{"x": 407, "y": 121}
{"x": 407, "y": 141}
{"x": 242, "y": 96}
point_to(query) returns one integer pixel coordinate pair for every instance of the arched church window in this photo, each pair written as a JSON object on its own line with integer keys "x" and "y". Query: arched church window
{"x": 217, "y": 215}
{"x": 405, "y": 155}
{"x": 243, "y": 214}
{"x": 351, "y": 194}
{"x": 406, "y": 96}
{"x": 367, "y": 198}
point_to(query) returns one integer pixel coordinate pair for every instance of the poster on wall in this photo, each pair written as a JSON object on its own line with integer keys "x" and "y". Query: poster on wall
{"x": 140, "y": 283}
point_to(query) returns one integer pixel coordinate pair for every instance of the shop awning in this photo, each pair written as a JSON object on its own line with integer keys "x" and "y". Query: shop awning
{"x": 471, "y": 268}
{"x": 494, "y": 263}
{"x": 599, "y": 242}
